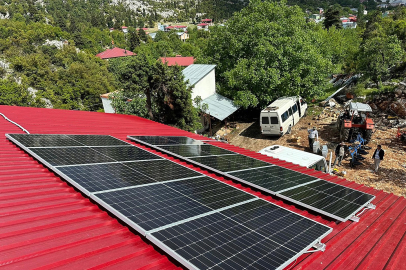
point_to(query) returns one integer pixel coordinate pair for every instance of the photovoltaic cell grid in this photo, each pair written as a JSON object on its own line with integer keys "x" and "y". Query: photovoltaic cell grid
{"x": 162, "y": 204}
{"x": 321, "y": 196}
{"x": 153, "y": 195}
{"x": 263, "y": 235}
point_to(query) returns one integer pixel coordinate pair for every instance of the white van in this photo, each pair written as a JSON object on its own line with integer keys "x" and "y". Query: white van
{"x": 295, "y": 156}
{"x": 281, "y": 115}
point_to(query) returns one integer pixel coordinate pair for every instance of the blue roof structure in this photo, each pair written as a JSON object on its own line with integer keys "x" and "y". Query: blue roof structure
{"x": 194, "y": 73}
{"x": 219, "y": 107}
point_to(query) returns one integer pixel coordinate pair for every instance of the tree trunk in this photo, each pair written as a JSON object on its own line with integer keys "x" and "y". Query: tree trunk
{"x": 149, "y": 106}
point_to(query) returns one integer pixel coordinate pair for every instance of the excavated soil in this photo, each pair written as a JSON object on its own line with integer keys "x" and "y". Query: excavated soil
{"x": 391, "y": 177}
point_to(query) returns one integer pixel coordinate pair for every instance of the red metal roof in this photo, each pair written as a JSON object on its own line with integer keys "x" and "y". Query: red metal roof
{"x": 46, "y": 223}
{"x": 113, "y": 53}
{"x": 178, "y": 60}
{"x": 206, "y": 20}
{"x": 176, "y": 26}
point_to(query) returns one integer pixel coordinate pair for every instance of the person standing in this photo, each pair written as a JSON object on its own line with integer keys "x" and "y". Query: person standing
{"x": 313, "y": 135}
{"x": 340, "y": 151}
{"x": 378, "y": 156}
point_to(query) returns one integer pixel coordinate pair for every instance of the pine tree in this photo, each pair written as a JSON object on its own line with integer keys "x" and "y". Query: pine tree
{"x": 332, "y": 18}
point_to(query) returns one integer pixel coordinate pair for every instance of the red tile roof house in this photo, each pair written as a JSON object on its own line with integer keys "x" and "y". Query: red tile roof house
{"x": 46, "y": 223}
{"x": 203, "y": 26}
{"x": 114, "y": 53}
{"x": 176, "y": 27}
{"x": 208, "y": 21}
{"x": 178, "y": 60}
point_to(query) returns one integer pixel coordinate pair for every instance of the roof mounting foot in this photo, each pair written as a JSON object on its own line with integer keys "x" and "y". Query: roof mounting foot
{"x": 370, "y": 206}
{"x": 320, "y": 246}
{"x": 354, "y": 218}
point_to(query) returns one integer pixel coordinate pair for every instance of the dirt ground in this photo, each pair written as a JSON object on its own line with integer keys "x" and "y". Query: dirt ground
{"x": 391, "y": 177}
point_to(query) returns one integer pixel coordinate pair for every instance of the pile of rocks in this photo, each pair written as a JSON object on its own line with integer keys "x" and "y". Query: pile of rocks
{"x": 393, "y": 103}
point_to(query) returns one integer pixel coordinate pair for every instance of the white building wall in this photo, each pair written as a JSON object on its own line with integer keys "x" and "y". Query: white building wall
{"x": 107, "y": 105}
{"x": 205, "y": 87}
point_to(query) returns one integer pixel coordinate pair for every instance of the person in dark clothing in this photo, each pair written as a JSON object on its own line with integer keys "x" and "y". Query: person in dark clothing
{"x": 378, "y": 156}
{"x": 340, "y": 151}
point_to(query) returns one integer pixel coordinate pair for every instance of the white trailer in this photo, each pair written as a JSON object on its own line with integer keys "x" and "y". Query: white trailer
{"x": 295, "y": 156}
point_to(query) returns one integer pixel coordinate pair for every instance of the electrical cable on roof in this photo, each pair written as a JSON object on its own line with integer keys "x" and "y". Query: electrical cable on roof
{"x": 23, "y": 129}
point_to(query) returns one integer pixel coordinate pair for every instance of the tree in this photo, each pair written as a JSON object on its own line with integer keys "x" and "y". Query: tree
{"x": 167, "y": 98}
{"x": 360, "y": 16}
{"x": 378, "y": 55}
{"x": 133, "y": 39}
{"x": 280, "y": 54}
{"x": 332, "y": 18}
{"x": 143, "y": 36}
{"x": 13, "y": 94}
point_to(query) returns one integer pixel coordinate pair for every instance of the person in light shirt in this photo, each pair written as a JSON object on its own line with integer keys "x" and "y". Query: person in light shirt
{"x": 378, "y": 156}
{"x": 313, "y": 135}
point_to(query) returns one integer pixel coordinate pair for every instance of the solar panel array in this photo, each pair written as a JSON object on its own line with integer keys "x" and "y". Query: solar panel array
{"x": 336, "y": 201}
{"x": 200, "y": 221}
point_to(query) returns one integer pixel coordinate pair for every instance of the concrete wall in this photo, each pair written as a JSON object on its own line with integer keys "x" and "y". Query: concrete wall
{"x": 107, "y": 105}
{"x": 205, "y": 87}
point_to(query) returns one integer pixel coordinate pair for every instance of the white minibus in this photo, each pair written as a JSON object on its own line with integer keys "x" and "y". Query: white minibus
{"x": 281, "y": 115}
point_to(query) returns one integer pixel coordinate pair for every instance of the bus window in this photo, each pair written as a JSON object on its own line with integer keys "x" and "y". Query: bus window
{"x": 265, "y": 120}
{"x": 290, "y": 111}
{"x": 284, "y": 116}
{"x": 274, "y": 120}
{"x": 294, "y": 108}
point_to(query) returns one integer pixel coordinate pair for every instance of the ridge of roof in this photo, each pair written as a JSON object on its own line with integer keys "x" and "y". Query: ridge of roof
{"x": 195, "y": 72}
{"x": 114, "y": 52}
{"x": 40, "y": 212}
{"x": 178, "y": 60}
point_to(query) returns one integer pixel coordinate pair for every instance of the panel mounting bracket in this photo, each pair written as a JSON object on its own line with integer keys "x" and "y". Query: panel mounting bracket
{"x": 354, "y": 218}
{"x": 320, "y": 246}
{"x": 370, "y": 206}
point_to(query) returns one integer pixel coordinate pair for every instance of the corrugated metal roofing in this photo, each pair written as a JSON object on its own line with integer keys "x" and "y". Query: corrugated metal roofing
{"x": 178, "y": 60}
{"x": 194, "y": 73}
{"x": 45, "y": 223}
{"x": 220, "y": 107}
{"x": 114, "y": 53}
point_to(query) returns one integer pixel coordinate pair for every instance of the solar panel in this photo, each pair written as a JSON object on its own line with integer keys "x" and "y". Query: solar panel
{"x": 59, "y": 140}
{"x": 126, "y": 153}
{"x": 101, "y": 177}
{"x": 40, "y": 140}
{"x": 230, "y": 162}
{"x": 96, "y": 140}
{"x": 273, "y": 178}
{"x": 162, "y": 204}
{"x": 196, "y": 150}
{"x": 307, "y": 191}
{"x": 162, "y": 170}
{"x": 155, "y": 195}
{"x": 71, "y": 155}
{"x": 169, "y": 140}
{"x": 341, "y": 201}
{"x": 262, "y": 235}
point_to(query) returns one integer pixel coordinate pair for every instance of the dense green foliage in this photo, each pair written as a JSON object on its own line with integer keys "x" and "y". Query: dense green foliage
{"x": 150, "y": 84}
{"x": 13, "y": 94}
{"x": 268, "y": 50}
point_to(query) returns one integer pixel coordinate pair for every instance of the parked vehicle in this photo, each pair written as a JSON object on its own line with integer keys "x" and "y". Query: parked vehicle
{"x": 355, "y": 120}
{"x": 281, "y": 115}
{"x": 295, "y": 156}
